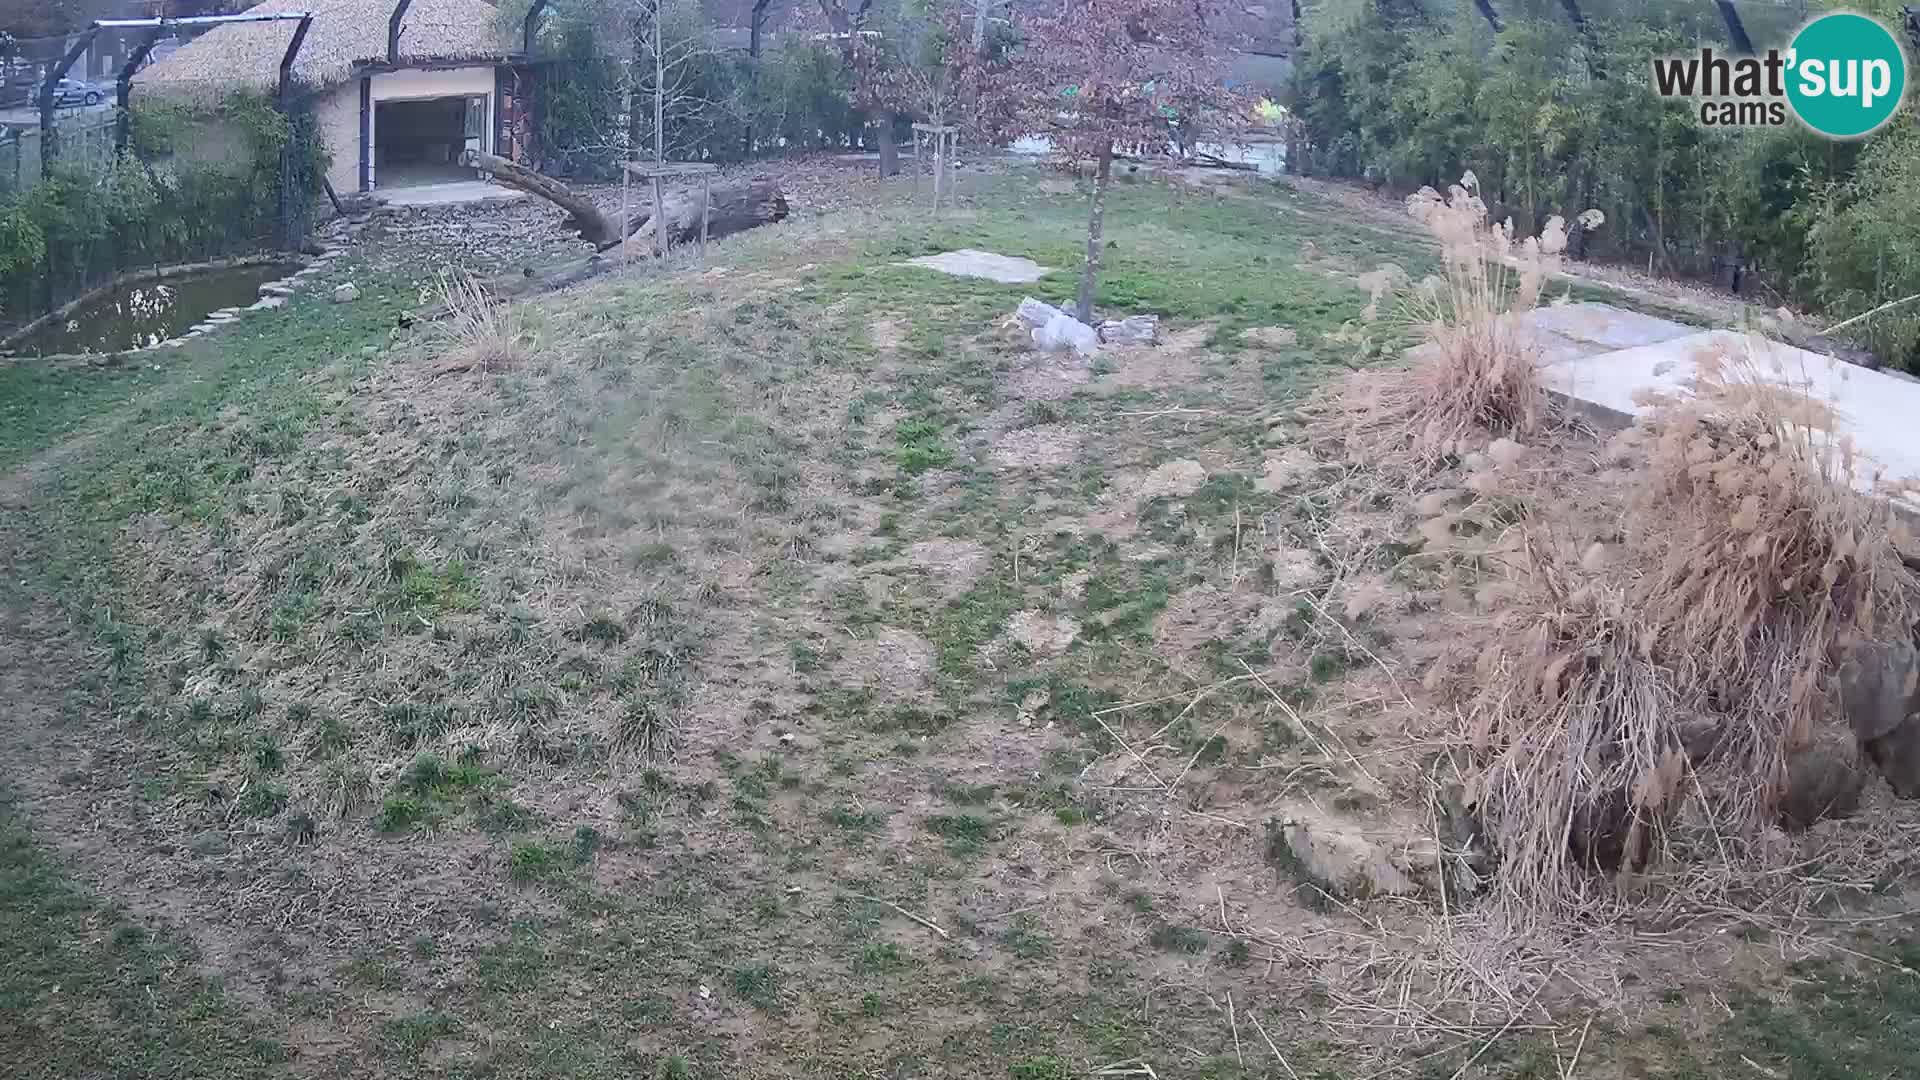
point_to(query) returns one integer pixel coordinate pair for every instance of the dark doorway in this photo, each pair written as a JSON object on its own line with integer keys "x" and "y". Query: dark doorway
{"x": 419, "y": 141}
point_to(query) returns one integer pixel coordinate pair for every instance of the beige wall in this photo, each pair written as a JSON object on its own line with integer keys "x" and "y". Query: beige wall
{"x": 338, "y": 117}
{"x": 338, "y": 112}
{"x": 425, "y": 84}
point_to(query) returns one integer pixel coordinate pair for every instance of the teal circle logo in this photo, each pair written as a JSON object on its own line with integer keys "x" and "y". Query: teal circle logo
{"x": 1846, "y": 74}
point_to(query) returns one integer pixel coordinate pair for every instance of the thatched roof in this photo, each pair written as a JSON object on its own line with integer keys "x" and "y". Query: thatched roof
{"x": 344, "y": 35}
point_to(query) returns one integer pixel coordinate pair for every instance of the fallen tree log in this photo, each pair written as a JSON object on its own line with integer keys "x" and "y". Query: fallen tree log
{"x": 737, "y": 205}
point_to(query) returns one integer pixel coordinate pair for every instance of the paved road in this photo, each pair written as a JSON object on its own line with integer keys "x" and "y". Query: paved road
{"x": 29, "y": 115}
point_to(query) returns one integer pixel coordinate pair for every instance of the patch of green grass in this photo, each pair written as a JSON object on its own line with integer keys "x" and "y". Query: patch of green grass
{"x": 1024, "y": 938}
{"x": 970, "y": 621}
{"x": 407, "y": 1037}
{"x": 966, "y": 794}
{"x": 1843, "y": 1019}
{"x": 262, "y": 799}
{"x": 1180, "y": 939}
{"x": 1040, "y": 1068}
{"x": 965, "y": 834}
{"x": 87, "y": 992}
{"x": 856, "y": 822}
{"x": 400, "y": 813}
{"x": 878, "y": 958}
{"x": 531, "y": 861}
{"x": 918, "y": 446}
{"x": 758, "y": 985}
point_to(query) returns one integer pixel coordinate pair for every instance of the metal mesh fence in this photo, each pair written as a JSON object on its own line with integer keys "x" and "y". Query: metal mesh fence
{"x": 184, "y": 179}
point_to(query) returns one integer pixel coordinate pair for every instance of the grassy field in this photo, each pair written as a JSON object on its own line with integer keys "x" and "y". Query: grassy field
{"x": 766, "y": 670}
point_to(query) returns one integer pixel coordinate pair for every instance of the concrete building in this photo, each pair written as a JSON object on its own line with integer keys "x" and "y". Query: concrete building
{"x": 388, "y": 120}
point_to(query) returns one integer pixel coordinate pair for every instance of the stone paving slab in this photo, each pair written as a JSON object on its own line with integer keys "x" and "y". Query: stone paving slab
{"x": 1006, "y": 269}
{"x": 1879, "y": 409}
{"x": 1570, "y": 331}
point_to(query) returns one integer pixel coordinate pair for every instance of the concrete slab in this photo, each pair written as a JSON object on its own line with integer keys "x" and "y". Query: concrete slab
{"x": 967, "y": 262}
{"x": 1876, "y": 408}
{"x": 453, "y": 193}
{"x": 1570, "y": 331}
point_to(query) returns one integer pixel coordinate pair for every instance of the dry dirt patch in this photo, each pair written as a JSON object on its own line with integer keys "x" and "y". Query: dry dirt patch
{"x": 894, "y": 661}
{"x": 1044, "y": 446}
{"x": 954, "y": 564}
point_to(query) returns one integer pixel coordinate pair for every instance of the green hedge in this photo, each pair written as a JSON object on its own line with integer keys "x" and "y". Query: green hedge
{"x": 155, "y": 205}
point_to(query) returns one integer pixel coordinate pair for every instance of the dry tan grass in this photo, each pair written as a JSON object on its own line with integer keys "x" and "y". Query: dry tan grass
{"x": 1664, "y": 624}
{"x": 1476, "y": 373}
{"x": 485, "y": 333}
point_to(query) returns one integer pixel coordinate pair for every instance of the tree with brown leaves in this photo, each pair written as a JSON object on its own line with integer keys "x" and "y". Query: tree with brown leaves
{"x": 1100, "y": 77}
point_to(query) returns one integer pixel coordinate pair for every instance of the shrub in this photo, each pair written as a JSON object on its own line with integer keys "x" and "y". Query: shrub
{"x": 1688, "y": 667}
{"x": 1476, "y": 374}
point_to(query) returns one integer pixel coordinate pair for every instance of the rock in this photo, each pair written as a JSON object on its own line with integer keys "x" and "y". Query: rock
{"x": 1842, "y": 351}
{"x": 1036, "y": 313}
{"x": 346, "y": 293}
{"x": 1132, "y": 330}
{"x": 274, "y": 288}
{"x": 1880, "y": 694}
{"x": 1285, "y": 469}
{"x": 1063, "y": 332}
{"x": 267, "y": 303}
{"x": 1506, "y": 453}
{"x": 1823, "y": 781}
{"x": 1343, "y": 864}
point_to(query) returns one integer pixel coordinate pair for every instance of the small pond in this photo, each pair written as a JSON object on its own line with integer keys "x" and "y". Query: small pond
{"x": 146, "y": 313}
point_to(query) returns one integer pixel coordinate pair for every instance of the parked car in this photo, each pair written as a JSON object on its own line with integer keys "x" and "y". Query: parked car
{"x": 78, "y": 92}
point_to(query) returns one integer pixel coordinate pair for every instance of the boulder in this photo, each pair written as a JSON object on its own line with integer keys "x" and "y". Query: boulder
{"x": 1823, "y": 781}
{"x": 346, "y": 293}
{"x": 1035, "y": 313}
{"x": 1064, "y": 332}
{"x": 1880, "y": 694}
{"x": 1132, "y": 330}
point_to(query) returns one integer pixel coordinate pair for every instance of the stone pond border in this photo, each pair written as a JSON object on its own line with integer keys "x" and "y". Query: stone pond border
{"x": 272, "y": 294}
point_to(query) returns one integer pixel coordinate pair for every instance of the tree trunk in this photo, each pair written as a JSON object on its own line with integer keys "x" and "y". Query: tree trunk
{"x": 889, "y": 150}
{"x": 593, "y": 226}
{"x": 738, "y": 205}
{"x": 1096, "y": 221}
{"x": 755, "y": 26}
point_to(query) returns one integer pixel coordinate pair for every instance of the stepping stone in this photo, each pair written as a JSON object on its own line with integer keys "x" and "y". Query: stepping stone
{"x": 967, "y": 262}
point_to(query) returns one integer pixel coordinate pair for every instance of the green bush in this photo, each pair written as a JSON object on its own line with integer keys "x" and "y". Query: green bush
{"x": 155, "y": 203}
{"x": 1407, "y": 95}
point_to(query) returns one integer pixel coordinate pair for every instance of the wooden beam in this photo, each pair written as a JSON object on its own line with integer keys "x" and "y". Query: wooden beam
{"x": 530, "y": 26}
{"x": 123, "y": 86}
{"x": 1736, "y": 30}
{"x": 49, "y": 140}
{"x": 393, "y": 29}
{"x": 286, "y": 62}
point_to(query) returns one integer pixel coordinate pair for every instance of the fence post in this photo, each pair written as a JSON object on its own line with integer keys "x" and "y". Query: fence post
{"x": 123, "y": 90}
{"x": 288, "y": 231}
{"x": 48, "y": 140}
